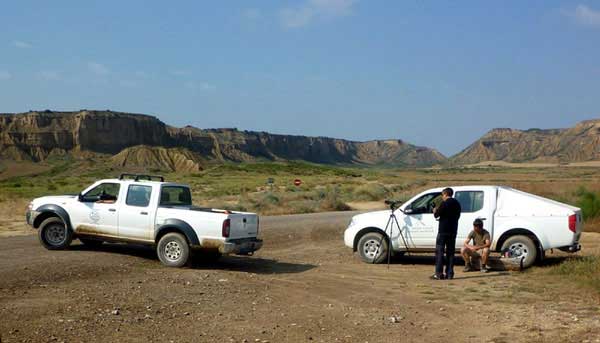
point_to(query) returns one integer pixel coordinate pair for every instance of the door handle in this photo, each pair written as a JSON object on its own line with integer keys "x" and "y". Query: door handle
{"x": 112, "y": 209}
{"x": 144, "y": 213}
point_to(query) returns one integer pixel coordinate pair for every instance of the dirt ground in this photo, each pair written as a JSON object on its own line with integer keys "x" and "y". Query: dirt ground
{"x": 303, "y": 286}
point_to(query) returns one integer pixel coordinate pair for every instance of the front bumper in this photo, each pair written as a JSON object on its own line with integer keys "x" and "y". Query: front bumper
{"x": 571, "y": 248}
{"x": 241, "y": 247}
{"x": 30, "y": 216}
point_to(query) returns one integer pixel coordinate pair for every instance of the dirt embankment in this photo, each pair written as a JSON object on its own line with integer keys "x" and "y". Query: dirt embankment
{"x": 303, "y": 286}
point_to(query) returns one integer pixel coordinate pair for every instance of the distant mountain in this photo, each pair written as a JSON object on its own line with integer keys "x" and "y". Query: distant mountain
{"x": 577, "y": 144}
{"x": 144, "y": 141}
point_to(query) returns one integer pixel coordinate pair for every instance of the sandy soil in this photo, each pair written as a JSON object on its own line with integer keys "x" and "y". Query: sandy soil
{"x": 304, "y": 286}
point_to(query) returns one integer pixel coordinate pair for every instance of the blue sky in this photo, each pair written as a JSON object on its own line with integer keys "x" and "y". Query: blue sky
{"x": 433, "y": 73}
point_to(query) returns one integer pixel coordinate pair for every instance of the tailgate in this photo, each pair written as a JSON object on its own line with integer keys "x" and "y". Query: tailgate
{"x": 243, "y": 225}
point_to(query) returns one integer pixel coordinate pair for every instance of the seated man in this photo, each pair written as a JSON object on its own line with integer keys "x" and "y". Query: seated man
{"x": 481, "y": 242}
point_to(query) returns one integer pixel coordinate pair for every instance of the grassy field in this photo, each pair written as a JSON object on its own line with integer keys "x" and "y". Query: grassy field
{"x": 245, "y": 186}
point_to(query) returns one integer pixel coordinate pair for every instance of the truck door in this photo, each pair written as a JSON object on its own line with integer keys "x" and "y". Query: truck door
{"x": 135, "y": 214}
{"x": 420, "y": 223}
{"x": 96, "y": 211}
{"x": 472, "y": 207}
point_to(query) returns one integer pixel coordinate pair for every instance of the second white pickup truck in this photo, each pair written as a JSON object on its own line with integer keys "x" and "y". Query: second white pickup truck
{"x": 522, "y": 224}
{"x": 135, "y": 208}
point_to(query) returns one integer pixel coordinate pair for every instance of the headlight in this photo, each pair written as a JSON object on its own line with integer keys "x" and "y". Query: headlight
{"x": 351, "y": 222}
{"x": 30, "y": 206}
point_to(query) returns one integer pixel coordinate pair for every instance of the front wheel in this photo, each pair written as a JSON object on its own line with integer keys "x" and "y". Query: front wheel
{"x": 521, "y": 247}
{"x": 372, "y": 248}
{"x": 54, "y": 234}
{"x": 173, "y": 250}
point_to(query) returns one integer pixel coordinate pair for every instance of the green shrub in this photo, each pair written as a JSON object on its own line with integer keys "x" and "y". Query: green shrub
{"x": 589, "y": 202}
{"x": 331, "y": 200}
{"x": 371, "y": 192}
{"x": 51, "y": 187}
{"x": 584, "y": 270}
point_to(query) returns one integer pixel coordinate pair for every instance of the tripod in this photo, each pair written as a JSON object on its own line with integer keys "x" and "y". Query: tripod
{"x": 394, "y": 205}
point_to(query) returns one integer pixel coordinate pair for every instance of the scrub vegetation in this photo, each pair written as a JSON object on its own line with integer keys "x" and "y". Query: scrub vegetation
{"x": 268, "y": 187}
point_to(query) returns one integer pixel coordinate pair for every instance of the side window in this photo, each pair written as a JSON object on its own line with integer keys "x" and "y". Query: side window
{"x": 470, "y": 201}
{"x": 138, "y": 195}
{"x": 425, "y": 203}
{"x": 104, "y": 192}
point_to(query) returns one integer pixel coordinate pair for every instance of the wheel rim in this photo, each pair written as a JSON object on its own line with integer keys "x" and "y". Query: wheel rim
{"x": 372, "y": 248}
{"x": 519, "y": 250}
{"x": 55, "y": 234}
{"x": 172, "y": 251}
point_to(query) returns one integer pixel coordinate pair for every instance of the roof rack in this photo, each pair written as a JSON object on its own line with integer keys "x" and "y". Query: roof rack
{"x": 138, "y": 177}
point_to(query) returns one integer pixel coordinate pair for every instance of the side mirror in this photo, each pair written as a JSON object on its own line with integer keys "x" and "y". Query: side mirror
{"x": 79, "y": 197}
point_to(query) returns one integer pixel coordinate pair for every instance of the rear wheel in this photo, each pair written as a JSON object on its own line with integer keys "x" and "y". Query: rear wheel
{"x": 521, "y": 247}
{"x": 173, "y": 250}
{"x": 54, "y": 234}
{"x": 372, "y": 248}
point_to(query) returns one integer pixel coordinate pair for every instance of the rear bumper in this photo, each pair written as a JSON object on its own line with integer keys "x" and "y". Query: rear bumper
{"x": 241, "y": 247}
{"x": 571, "y": 248}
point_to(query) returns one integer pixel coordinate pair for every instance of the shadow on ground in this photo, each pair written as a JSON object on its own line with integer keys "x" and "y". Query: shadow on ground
{"x": 198, "y": 261}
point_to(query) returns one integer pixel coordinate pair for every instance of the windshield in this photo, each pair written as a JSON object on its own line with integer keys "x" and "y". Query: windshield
{"x": 175, "y": 196}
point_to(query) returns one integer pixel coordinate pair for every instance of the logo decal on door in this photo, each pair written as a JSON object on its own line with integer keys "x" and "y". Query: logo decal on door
{"x": 95, "y": 216}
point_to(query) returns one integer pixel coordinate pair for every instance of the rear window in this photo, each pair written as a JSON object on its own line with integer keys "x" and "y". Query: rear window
{"x": 175, "y": 196}
{"x": 470, "y": 201}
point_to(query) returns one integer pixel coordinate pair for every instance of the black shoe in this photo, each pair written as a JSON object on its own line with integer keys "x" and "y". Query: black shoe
{"x": 485, "y": 269}
{"x": 436, "y": 277}
{"x": 468, "y": 268}
{"x": 448, "y": 277}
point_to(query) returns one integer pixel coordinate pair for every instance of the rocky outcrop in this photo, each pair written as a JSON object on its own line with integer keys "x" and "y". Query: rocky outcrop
{"x": 157, "y": 158}
{"x": 577, "y": 144}
{"x": 38, "y": 135}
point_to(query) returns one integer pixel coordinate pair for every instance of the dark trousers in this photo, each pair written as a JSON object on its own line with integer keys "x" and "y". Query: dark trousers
{"x": 444, "y": 243}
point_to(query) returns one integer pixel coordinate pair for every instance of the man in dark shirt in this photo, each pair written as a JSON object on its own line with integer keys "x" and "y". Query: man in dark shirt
{"x": 448, "y": 213}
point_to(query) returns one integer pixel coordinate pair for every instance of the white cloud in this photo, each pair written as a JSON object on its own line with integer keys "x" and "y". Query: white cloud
{"x": 4, "y": 75}
{"x": 22, "y": 45}
{"x": 312, "y": 9}
{"x": 585, "y": 16}
{"x": 49, "y": 75}
{"x": 251, "y": 13}
{"x": 98, "y": 69}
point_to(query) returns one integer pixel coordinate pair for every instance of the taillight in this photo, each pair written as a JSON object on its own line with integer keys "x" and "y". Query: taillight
{"x": 573, "y": 222}
{"x": 226, "y": 228}
{"x": 257, "y": 225}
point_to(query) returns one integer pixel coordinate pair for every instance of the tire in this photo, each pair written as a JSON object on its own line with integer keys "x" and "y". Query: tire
{"x": 173, "y": 250}
{"x": 54, "y": 234}
{"x": 521, "y": 246}
{"x": 90, "y": 242}
{"x": 369, "y": 249}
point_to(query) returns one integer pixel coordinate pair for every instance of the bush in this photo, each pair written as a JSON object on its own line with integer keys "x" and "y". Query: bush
{"x": 331, "y": 200}
{"x": 585, "y": 271}
{"x": 589, "y": 203}
{"x": 371, "y": 192}
{"x": 51, "y": 187}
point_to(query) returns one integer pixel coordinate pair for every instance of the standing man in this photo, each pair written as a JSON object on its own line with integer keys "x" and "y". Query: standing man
{"x": 448, "y": 213}
{"x": 480, "y": 247}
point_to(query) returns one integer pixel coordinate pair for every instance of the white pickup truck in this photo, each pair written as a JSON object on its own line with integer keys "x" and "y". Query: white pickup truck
{"x": 522, "y": 224}
{"x": 136, "y": 209}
